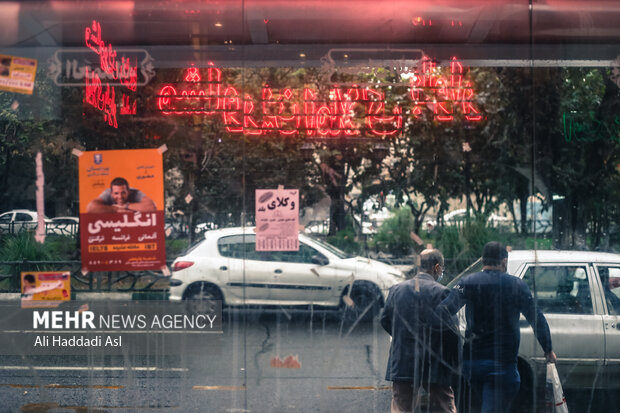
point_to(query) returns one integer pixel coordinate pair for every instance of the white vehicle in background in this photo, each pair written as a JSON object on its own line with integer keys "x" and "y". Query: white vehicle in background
{"x": 18, "y": 220}
{"x": 459, "y": 216}
{"x": 63, "y": 226}
{"x": 226, "y": 266}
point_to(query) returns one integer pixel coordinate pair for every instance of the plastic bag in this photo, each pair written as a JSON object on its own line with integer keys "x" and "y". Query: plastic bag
{"x": 556, "y": 402}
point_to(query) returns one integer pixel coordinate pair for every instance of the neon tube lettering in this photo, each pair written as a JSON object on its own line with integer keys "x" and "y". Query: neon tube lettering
{"x": 123, "y": 71}
{"x": 344, "y": 112}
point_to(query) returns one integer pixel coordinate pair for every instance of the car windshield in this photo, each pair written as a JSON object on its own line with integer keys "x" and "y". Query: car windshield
{"x": 476, "y": 266}
{"x": 339, "y": 253}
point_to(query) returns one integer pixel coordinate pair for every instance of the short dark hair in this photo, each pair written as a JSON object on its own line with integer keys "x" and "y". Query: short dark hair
{"x": 429, "y": 258}
{"x": 119, "y": 182}
{"x": 493, "y": 253}
{"x": 29, "y": 278}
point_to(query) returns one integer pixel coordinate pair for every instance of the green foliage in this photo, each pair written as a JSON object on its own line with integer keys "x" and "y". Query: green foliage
{"x": 63, "y": 248}
{"x": 450, "y": 242}
{"x": 345, "y": 239}
{"x": 175, "y": 247}
{"x": 476, "y": 234}
{"x": 538, "y": 243}
{"x": 23, "y": 247}
{"x": 462, "y": 245}
{"x": 394, "y": 235}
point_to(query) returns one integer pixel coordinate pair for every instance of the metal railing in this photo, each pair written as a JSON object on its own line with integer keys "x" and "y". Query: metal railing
{"x": 64, "y": 229}
{"x": 109, "y": 281}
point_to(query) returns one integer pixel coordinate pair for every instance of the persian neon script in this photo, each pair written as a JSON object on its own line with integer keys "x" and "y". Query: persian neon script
{"x": 347, "y": 112}
{"x": 104, "y": 96}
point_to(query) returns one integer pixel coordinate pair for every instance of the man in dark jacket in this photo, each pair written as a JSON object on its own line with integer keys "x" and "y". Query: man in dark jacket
{"x": 494, "y": 301}
{"x": 421, "y": 355}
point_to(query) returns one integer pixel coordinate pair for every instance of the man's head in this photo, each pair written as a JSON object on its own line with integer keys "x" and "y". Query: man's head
{"x": 29, "y": 279}
{"x": 119, "y": 190}
{"x": 495, "y": 255}
{"x": 431, "y": 262}
{"x": 28, "y": 282}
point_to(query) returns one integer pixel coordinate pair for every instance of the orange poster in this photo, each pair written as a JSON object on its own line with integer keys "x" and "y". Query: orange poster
{"x": 122, "y": 210}
{"x": 45, "y": 289}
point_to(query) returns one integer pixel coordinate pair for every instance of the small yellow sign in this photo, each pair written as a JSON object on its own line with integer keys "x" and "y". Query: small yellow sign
{"x": 45, "y": 289}
{"x": 17, "y": 74}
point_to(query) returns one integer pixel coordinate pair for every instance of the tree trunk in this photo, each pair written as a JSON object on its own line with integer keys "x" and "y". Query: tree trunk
{"x": 569, "y": 224}
{"x": 336, "y": 192}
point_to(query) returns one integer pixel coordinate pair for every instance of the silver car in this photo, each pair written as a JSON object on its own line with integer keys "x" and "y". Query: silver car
{"x": 18, "y": 220}
{"x": 226, "y": 266}
{"x": 579, "y": 293}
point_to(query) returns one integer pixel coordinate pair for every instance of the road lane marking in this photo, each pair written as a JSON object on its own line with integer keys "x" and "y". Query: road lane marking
{"x": 359, "y": 387}
{"x": 59, "y": 386}
{"x": 82, "y": 386}
{"x": 84, "y": 368}
{"x": 230, "y": 388}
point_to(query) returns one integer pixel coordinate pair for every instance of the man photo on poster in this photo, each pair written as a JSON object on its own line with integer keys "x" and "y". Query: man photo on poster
{"x": 120, "y": 197}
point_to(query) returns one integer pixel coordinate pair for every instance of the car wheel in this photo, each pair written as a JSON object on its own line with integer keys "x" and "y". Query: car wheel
{"x": 362, "y": 304}
{"x": 524, "y": 402}
{"x": 202, "y": 298}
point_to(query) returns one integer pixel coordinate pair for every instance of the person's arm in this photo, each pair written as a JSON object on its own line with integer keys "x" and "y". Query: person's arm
{"x": 453, "y": 302}
{"x": 443, "y": 316}
{"x": 146, "y": 204}
{"x": 538, "y": 322}
{"x": 99, "y": 206}
{"x": 386, "y": 314}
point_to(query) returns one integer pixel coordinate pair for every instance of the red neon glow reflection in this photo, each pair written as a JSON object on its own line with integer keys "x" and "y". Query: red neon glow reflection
{"x": 103, "y": 96}
{"x": 443, "y": 95}
{"x": 346, "y": 113}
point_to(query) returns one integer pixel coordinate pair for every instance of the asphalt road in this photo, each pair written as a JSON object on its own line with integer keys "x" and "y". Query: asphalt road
{"x": 264, "y": 361}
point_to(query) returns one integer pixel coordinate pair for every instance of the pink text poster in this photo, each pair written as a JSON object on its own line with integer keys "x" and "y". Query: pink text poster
{"x": 277, "y": 220}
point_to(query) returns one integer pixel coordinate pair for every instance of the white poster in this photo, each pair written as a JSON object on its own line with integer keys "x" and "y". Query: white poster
{"x": 277, "y": 220}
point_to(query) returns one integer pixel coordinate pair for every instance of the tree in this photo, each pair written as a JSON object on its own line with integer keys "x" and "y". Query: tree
{"x": 28, "y": 124}
{"x": 558, "y": 135}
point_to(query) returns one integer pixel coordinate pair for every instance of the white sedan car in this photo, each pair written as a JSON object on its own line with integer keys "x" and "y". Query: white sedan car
{"x": 63, "y": 226}
{"x": 226, "y": 266}
{"x": 19, "y": 220}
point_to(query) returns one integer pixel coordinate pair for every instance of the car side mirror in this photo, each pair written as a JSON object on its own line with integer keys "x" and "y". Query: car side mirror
{"x": 319, "y": 260}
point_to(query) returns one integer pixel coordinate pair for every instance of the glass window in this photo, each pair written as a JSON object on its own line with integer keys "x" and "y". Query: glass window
{"x": 560, "y": 289}
{"x": 610, "y": 280}
{"x": 304, "y": 255}
{"x": 242, "y": 247}
{"x": 398, "y": 125}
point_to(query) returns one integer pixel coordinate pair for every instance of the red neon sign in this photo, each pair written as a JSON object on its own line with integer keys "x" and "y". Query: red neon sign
{"x": 103, "y": 96}
{"x": 346, "y": 112}
{"x": 443, "y": 95}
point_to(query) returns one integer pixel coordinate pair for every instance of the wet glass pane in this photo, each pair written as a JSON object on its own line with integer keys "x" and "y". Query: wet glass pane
{"x": 216, "y": 205}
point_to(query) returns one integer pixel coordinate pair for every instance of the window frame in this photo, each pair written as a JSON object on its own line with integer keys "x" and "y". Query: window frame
{"x": 597, "y": 305}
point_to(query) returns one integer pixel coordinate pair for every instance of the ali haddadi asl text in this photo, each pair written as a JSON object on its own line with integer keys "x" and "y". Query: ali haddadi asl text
{"x": 78, "y": 341}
